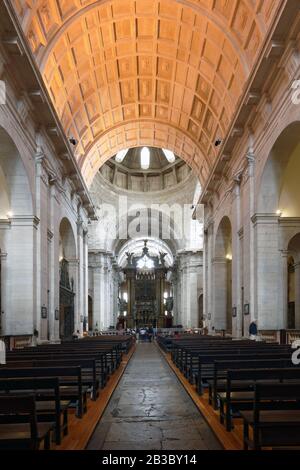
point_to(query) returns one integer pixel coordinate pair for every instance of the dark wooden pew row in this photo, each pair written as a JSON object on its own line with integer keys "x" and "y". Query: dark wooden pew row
{"x": 185, "y": 356}
{"x": 28, "y": 434}
{"x": 70, "y": 382}
{"x": 233, "y": 401}
{"x": 110, "y": 357}
{"x": 220, "y": 368}
{"x": 191, "y": 365}
{"x": 206, "y": 364}
{"x": 102, "y": 366}
{"x": 88, "y": 369}
{"x": 49, "y": 406}
{"x": 276, "y": 427}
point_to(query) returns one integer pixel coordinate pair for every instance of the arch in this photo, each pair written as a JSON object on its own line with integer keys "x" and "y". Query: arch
{"x": 140, "y": 133}
{"x": 16, "y": 204}
{"x": 278, "y": 188}
{"x": 68, "y": 276}
{"x": 110, "y": 62}
{"x": 293, "y": 268}
{"x": 155, "y": 247}
{"x": 90, "y": 313}
{"x": 67, "y": 244}
{"x": 222, "y": 266}
{"x": 15, "y": 193}
{"x": 200, "y": 311}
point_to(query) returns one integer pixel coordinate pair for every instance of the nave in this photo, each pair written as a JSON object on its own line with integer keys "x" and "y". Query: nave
{"x": 150, "y": 410}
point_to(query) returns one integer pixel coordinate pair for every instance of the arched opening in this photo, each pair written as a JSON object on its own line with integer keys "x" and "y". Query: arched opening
{"x": 293, "y": 320}
{"x": 16, "y": 280}
{"x": 200, "y": 311}
{"x": 279, "y": 186}
{"x": 291, "y": 292}
{"x": 67, "y": 289}
{"x": 278, "y": 220}
{"x": 223, "y": 277}
{"x": 90, "y": 313}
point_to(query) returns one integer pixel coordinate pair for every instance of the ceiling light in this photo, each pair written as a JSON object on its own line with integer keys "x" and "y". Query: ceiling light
{"x": 169, "y": 155}
{"x": 121, "y": 155}
{"x": 145, "y": 158}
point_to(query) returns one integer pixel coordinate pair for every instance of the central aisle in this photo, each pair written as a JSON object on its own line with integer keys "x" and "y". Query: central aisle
{"x": 150, "y": 410}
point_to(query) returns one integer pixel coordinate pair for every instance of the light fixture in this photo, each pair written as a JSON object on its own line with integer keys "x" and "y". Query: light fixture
{"x": 279, "y": 212}
{"x": 10, "y": 214}
{"x": 72, "y": 140}
{"x": 169, "y": 155}
{"x": 125, "y": 296}
{"x": 166, "y": 313}
{"x": 125, "y": 313}
{"x": 165, "y": 295}
{"x": 229, "y": 257}
{"x": 145, "y": 158}
{"x": 121, "y": 155}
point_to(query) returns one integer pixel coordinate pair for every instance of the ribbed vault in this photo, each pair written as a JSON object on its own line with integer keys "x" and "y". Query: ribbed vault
{"x": 165, "y": 73}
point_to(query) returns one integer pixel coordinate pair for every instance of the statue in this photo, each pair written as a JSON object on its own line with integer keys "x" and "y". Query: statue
{"x": 169, "y": 304}
{"x": 162, "y": 257}
{"x": 129, "y": 257}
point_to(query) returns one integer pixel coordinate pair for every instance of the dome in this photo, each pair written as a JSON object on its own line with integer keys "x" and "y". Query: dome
{"x": 160, "y": 175}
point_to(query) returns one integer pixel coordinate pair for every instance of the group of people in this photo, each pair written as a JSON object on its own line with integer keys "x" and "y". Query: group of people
{"x": 145, "y": 334}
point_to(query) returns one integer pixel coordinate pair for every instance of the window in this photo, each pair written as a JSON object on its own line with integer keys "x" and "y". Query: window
{"x": 145, "y": 158}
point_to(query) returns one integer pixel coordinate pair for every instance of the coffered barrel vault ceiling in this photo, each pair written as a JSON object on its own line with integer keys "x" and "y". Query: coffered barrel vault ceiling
{"x": 127, "y": 73}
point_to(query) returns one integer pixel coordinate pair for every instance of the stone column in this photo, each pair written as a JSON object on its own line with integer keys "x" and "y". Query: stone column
{"x": 191, "y": 269}
{"x": 74, "y": 280}
{"x": 100, "y": 270}
{"x": 208, "y": 292}
{"x": 53, "y": 265}
{"x": 236, "y": 261}
{"x": 219, "y": 314}
{"x": 268, "y": 273}
{"x": 252, "y": 248}
{"x": 85, "y": 275}
{"x": 41, "y": 286}
{"x": 19, "y": 300}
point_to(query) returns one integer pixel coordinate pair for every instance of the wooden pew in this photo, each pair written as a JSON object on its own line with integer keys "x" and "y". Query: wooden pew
{"x": 88, "y": 368}
{"x": 274, "y": 427}
{"x": 18, "y": 424}
{"x": 49, "y": 406}
{"x": 70, "y": 382}
{"x": 219, "y": 382}
{"x": 206, "y": 363}
{"x": 243, "y": 398}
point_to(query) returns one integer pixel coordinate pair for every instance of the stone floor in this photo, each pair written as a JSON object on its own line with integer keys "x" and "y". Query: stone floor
{"x": 150, "y": 410}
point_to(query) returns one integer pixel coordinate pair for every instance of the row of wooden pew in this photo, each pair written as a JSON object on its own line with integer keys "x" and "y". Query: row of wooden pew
{"x": 40, "y": 385}
{"x": 255, "y": 381}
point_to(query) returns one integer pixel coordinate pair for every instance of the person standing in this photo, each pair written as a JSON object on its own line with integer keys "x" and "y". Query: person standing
{"x": 253, "y": 330}
{"x": 150, "y": 334}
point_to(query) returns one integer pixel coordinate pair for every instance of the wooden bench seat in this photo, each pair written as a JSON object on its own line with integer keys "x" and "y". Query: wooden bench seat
{"x": 273, "y": 428}
{"x": 70, "y": 382}
{"x": 28, "y": 434}
{"x": 219, "y": 381}
{"x": 233, "y": 401}
{"x": 49, "y": 405}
